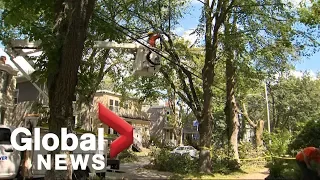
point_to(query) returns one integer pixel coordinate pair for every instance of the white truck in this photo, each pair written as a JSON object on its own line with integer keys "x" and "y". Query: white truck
{"x": 11, "y": 160}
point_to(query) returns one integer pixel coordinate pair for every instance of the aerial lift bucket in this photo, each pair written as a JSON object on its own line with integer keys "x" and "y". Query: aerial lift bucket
{"x": 142, "y": 67}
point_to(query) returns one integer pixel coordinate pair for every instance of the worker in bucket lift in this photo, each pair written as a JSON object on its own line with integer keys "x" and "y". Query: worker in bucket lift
{"x": 152, "y": 38}
{"x": 152, "y": 42}
{"x": 308, "y": 161}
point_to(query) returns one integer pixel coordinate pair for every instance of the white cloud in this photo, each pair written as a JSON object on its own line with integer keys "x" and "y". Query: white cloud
{"x": 190, "y": 37}
{"x": 199, "y": 1}
{"x": 299, "y": 74}
{"x": 196, "y": 1}
{"x": 296, "y": 3}
{"x": 178, "y": 30}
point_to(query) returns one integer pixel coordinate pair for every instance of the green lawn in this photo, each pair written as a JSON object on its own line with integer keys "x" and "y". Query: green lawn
{"x": 244, "y": 171}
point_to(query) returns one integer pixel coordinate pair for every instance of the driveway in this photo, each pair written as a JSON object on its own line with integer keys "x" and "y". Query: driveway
{"x": 258, "y": 175}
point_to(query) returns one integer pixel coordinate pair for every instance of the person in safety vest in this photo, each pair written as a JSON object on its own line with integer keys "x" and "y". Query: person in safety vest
{"x": 152, "y": 38}
{"x": 308, "y": 160}
{"x": 152, "y": 42}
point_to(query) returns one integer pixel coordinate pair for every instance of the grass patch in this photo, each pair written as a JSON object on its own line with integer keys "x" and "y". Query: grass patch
{"x": 232, "y": 175}
{"x": 128, "y": 156}
{"x": 144, "y": 153}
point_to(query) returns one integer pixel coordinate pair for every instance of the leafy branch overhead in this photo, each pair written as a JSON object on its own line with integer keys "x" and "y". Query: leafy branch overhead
{"x": 239, "y": 44}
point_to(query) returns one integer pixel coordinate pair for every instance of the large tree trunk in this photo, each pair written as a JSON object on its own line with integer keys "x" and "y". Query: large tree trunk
{"x": 72, "y": 18}
{"x": 231, "y": 109}
{"x": 205, "y": 132}
{"x": 177, "y": 135}
{"x": 214, "y": 15}
{"x": 206, "y": 122}
{"x": 84, "y": 117}
{"x": 259, "y": 133}
{"x": 257, "y": 127}
{"x": 231, "y": 112}
{"x": 205, "y": 119}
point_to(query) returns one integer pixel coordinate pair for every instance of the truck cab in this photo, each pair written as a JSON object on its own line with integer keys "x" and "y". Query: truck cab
{"x": 10, "y": 158}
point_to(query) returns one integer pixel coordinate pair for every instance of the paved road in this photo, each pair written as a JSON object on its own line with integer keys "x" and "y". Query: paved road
{"x": 259, "y": 175}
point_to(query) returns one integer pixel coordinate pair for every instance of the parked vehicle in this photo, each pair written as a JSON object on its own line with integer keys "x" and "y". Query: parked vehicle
{"x": 186, "y": 150}
{"x": 11, "y": 160}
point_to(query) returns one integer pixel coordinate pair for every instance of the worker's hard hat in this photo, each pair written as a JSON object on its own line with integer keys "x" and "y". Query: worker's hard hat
{"x": 150, "y": 33}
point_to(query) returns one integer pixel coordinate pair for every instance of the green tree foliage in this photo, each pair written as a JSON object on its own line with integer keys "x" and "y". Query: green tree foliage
{"x": 309, "y": 13}
{"x": 307, "y": 137}
{"x": 52, "y": 23}
{"x": 163, "y": 160}
{"x": 259, "y": 40}
{"x": 295, "y": 102}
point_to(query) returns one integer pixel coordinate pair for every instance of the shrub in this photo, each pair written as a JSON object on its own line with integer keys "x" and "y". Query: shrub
{"x": 163, "y": 160}
{"x": 248, "y": 151}
{"x": 155, "y": 141}
{"x": 128, "y": 156}
{"x": 279, "y": 142}
{"x": 308, "y": 136}
{"x": 283, "y": 169}
{"x": 222, "y": 162}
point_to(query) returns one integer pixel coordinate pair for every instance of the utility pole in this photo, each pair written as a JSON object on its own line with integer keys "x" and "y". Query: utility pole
{"x": 267, "y": 103}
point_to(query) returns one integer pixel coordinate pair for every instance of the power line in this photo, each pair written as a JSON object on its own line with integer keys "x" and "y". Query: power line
{"x": 123, "y": 29}
{"x": 143, "y": 44}
{"x": 148, "y": 21}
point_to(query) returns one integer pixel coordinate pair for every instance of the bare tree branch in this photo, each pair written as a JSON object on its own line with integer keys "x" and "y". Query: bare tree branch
{"x": 186, "y": 99}
{"x": 245, "y": 113}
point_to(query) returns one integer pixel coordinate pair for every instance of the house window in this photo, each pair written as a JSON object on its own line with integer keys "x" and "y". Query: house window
{"x": 114, "y": 105}
{"x": 126, "y": 106}
{"x": 5, "y": 136}
{"x": 15, "y": 96}
{"x": 74, "y": 97}
{"x": 2, "y": 114}
{"x": 111, "y": 104}
{"x": 167, "y": 116}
